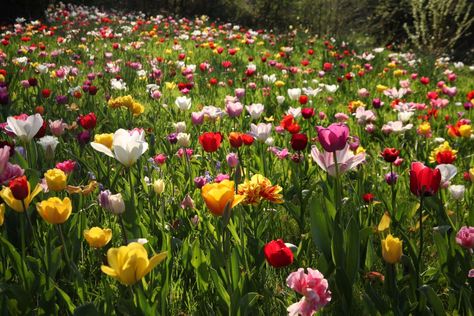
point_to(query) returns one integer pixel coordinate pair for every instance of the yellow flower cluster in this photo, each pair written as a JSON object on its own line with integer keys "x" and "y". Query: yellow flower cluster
{"x": 128, "y": 102}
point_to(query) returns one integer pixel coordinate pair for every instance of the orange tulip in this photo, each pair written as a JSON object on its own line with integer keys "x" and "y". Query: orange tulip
{"x": 218, "y": 195}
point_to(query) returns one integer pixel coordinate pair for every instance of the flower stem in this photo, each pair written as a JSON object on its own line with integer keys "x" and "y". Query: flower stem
{"x": 336, "y": 185}
{"x": 420, "y": 252}
{"x": 124, "y": 232}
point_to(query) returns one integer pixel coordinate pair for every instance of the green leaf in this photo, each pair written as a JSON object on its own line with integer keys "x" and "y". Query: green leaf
{"x": 352, "y": 241}
{"x": 247, "y": 301}
{"x": 320, "y": 229}
{"x": 219, "y": 286}
{"x": 66, "y": 299}
{"x": 433, "y": 300}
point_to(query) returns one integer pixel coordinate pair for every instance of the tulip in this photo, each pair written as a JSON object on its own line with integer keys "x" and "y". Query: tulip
{"x": 25, "y": 130}
{"x": 424, "y": 181}
{"x": 97, "y": 237}
{"x": 232, "y": 160}
{"x": 87, "y": 121}
{"x": 334, "y": 137}
{"x": 159, "y": 186}
{"x": 56, "y": 179}
{"x": 129, "y": 264}
{"x": 465, "y": 237}
{"x": 54, "y": 210}
{"x": 346, "y": 160}
{"x": 299, "y": 141}
{"x": 104, "y": 139}
{"x": 278, "y": 254}
{"x": 19, "y": 187}
{"x": 183, "y": 139}
{"x": 255, "y": 110}
{"x": 390, "y": 154}
{"x": 457, "y": 191}
{"x": 294, "y": 94}
{"x": 48, "y": 143}
{"x": 391, "y": 249}
{"x": 314, "y": 288}
{"x": 187, "y": 202}
{"x": 183, "y": 103}
{"x": 210, "y": 141}
{"x": 218, "y": 195}
{"x": 127, "y": 146}
{"x": 116, "y": 204}
{"x": 261, "y": 131}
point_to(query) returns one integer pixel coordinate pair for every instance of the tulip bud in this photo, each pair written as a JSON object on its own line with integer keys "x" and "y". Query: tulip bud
{"x": 391, "y": 249}
{"x": 187, "y": 202}
{"x": 159, "y": 186}
{"x": 232, "y": 160}
{"x": 116, "y": 204}
{"x": 19, "y": 188}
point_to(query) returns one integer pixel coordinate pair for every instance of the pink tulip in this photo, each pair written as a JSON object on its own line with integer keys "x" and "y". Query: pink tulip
{"x": 465, "y": 237}
{"x": 313, "y": 286}
{"x": 334, "y": 137}
{"x": 346, "y": 160}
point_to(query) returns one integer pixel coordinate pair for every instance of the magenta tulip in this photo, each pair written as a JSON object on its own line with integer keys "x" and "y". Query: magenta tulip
{"x": 334, "y": 137}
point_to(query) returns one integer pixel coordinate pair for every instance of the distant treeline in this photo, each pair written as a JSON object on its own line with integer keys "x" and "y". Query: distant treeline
{"x": 381, "y": 21}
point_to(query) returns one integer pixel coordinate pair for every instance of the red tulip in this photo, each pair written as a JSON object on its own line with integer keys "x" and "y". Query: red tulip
{"x": 424, "y": 181}
{"x": 307, "y": 113}
{"x": 278, "y": 254}
{"x": 88, "y": 121}
{"x": 390, "y": 154}
{"x": 247, "y": 139}
{"x": 299, "y": 141}
{"x": 19, "y": 188}
{"x": 210, "y": 141}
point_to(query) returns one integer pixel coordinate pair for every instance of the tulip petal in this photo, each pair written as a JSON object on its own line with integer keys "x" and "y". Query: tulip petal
{"x": 102, "y": 149}
{"x": 109, "y": 271}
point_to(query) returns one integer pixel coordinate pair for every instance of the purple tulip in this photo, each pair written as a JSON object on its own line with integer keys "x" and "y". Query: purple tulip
{"x": 334, "y": 137}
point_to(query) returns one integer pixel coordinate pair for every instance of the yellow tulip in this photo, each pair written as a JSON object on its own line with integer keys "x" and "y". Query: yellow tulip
{"x": 391, "y": 249}
{"x": 7, "y": 195}
{"x": 159, "y": 186}
{"x": 217, "y": 195}
{"x": 97, "y": 237}
{"x": 2, "y": 213}
{"x": 56, "y": 179}
{"x": 104, "y": 139}
{"x": 465, "y": 130}
{"x": 130, "y": 263}
{"x": 471, "y": 174}
{"x": 55, "y": 211}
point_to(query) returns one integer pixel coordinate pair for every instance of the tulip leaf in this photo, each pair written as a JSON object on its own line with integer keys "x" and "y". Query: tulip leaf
{"x": 352, "y": 241}
{"x": 19, "y": 265}
{"x": 219, "y": 286}
{"x": 247, "y": 301}
{"x": 319, "y": 228}
{"x": 433, "y": 300}
{"x": 66, "y": 299}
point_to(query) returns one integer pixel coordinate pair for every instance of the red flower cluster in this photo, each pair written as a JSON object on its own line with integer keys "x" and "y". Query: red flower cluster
{"x": 289, "y": 124}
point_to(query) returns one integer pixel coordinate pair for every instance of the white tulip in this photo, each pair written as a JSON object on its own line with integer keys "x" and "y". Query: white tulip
{"x": 294, "y": 94}
{"x": 27, "y": 129}
{"x": 457, "y": 191}
{"x": 183, "y": 139}
{"x": 127, "y": 146}
{"x": 183, "y": 103}
{"x": 261, "y": 131}
{"x": 255, "y": 110}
